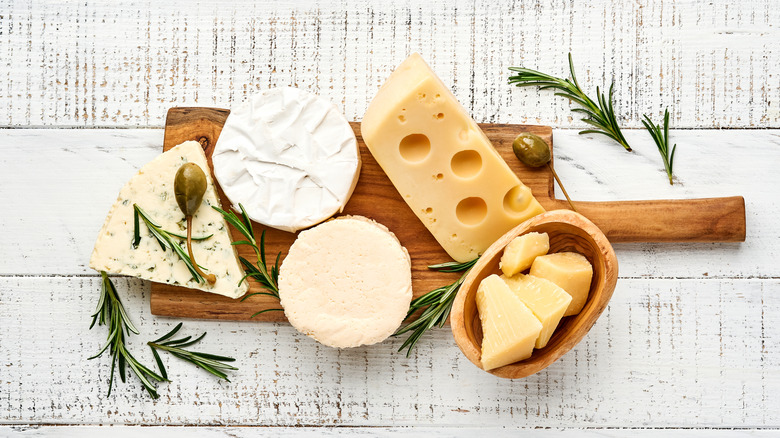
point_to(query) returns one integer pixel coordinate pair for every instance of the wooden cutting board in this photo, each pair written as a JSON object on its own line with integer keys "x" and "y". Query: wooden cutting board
{"x": 695, "y": 220}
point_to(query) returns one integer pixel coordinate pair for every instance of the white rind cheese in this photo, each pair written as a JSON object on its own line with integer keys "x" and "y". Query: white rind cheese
{"x": 290, "y": 157}
{"x": 346, "y": 282}
{"x": 152, "y": 189}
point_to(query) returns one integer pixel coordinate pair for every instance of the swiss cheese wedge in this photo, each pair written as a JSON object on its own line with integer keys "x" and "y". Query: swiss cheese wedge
{"x": 442, "y": 163}
{"x": 152, "y": 189}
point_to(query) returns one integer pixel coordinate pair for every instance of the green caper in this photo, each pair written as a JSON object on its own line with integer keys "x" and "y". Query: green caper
{"x": 531, "y": 150}
{"x": 189, "y": 185}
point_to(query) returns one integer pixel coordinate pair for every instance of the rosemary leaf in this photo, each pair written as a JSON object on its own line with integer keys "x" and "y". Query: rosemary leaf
{"x": 111, "y": 312}
{"x": 212, "y": 363}
{"x": 435, "y": 305}
{"x": 599, "y": 114}
{"x": 661, "y": 139}
{"x": 268, "y": 279}
{"x": 165, "y": 239}
{"x": 182, "y": 237}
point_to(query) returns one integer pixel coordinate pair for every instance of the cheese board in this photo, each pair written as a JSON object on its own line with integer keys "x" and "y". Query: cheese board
{"x": 697, "y": 220}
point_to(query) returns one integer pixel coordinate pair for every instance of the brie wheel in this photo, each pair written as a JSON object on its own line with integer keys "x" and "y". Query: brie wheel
{"x": 346, "y": 283}
{"x": 289, "y": 157}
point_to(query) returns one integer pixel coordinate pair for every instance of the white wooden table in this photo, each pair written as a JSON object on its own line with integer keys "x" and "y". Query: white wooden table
{"x": 691, "y": 338}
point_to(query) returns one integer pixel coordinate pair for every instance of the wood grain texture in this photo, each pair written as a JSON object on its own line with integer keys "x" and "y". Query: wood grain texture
{"x": 690, "y": 336}
{"x": 124, "y": 64}
{"x": 34, "y": 431}
{"x": 665, "y": 353}
{"x": 715, "y": 219}
{"x": 690, "y": 339}
{"x": 567, "y": 231}
{"x": 87, "y": 168}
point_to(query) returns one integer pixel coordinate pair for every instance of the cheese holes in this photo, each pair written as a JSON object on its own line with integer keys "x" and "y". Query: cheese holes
{"x": 415, "y": 148}
{"x": 471, "y": 211}
{"x": 438, "y": 176}
{"x": 438, "y": 116}
{"x": 517, "y": 199}
{"x": 466, "y": 164}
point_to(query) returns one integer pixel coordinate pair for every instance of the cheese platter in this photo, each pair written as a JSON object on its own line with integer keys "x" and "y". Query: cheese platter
{"x": 693, "y": 220}
{"x": 354, "y": 232}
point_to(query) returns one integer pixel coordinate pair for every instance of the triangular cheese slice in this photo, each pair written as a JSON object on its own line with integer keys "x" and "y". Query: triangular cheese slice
{"x": 509, "y": 328}
{"x": 152, "y": 189}
{"x": 545, "y": 299}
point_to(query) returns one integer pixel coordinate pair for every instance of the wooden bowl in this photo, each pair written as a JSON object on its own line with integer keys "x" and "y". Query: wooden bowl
{"x": 568, "y": 231}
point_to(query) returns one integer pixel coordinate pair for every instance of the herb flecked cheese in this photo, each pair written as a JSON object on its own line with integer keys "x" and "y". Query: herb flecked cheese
{"x": 152, "y": 189}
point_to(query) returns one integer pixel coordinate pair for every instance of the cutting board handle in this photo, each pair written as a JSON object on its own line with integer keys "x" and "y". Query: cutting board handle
{"x": 684, "y": 220}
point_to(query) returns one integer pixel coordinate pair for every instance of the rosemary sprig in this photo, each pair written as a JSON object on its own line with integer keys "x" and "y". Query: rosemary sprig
{"x": 165, "y": 239}
{"x": 212, "y": 363}
{"x": 111, "y": 312}
{"x": 661, "y": 139}
{"x": 600, "y": 115}
{"x": 268, "y": 279}
{"x": 436, "y": 304}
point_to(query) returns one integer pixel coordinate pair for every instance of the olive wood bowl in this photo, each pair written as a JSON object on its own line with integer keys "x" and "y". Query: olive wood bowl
{"x": 568, "y": 231}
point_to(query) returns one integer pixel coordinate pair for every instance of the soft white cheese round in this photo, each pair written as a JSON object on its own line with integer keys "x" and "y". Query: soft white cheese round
{"x": 347, "y": 282}
{"x": 289, "y": 157}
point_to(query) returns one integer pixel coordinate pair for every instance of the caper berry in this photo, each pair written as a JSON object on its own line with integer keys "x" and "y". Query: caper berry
{"x": 189, "y": 185}
{"x": 531, "y": 150}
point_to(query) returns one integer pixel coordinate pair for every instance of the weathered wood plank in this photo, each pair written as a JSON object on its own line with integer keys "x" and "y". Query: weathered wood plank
{"x": 690, "y": 340}
{"x": 668, "y": 353}
{"x": 23, "y": 431}
{"x": 56, "y": 205}
{"x": 125, "y": 64}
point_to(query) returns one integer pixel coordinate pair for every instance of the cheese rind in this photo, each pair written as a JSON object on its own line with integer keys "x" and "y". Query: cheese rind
{"x": 289, "y": 157}
{"x": 346, "y": 282}
{"x": 569, "y": 270}
{"x": 520, "y": 253}
{"x": 442, "y": 163}
{"x": 547, "y": 301}
{"x": 509, "y": 328}
{"x": 152, "y": 189}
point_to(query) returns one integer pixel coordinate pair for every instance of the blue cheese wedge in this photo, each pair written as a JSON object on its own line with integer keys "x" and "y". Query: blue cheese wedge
{"x": 152, "y": 189}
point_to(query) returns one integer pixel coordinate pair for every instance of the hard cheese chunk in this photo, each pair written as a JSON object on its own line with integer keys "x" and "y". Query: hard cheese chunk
{"x": 569, "y": 270}
{"x": 442, "y": 163}
{"x": 521, "y": 252}
{"x": 509, "y": 328}
{"x": 152, "y": 189}
{"x": 547, "y": 301}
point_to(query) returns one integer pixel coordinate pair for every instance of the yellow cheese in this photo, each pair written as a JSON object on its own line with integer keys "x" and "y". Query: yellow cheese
{"x": 441, "y": 162}
{"x": 509, "y": 328}
{"x": 569, "y": 270}
{"x": 546, "y": 300}
{"x": 522, "y": 251}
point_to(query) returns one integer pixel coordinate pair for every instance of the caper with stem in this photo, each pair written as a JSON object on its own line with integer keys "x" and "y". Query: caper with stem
{"x": 189, "y": 186}
{"x": 533, "y": 151}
